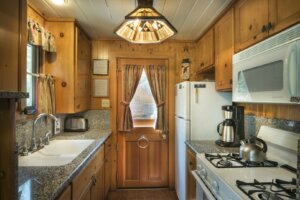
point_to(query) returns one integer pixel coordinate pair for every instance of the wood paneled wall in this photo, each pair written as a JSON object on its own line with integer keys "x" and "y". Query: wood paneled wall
{"x": 114, "y": 49}
{"x": 288, "y": 112}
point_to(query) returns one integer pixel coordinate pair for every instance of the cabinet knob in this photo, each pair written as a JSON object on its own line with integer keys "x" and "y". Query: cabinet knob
{"x": 254, "y": 37}
{"x": 78, "y": 106}
{"x": 2, "y": 174}
{"x": 225, "y": 65}
{"x": 263, "y": 28}
{"x": 250, "y": 27}
{"x": 269, "y": 26}
{"x": 230, "y": 81}
{"x": 191, "y": 163}
{"x": 63, "y": 84}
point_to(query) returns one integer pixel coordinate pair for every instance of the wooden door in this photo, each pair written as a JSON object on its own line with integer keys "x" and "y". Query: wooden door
{"x": 142, "y": 153}
{"x": 283, "y": 14}
{"x": 224, "y": 42}
{"x": 250, "y": 17}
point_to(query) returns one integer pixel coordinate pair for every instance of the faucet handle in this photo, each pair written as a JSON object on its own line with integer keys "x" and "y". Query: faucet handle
{"x": 41, "y": 144}
{"x": 25, "y": 151}
{"x": 47, "y": 138}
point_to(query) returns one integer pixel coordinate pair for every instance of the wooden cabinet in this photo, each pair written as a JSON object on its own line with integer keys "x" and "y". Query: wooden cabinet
{"x": 66, "y": 194}
{"x": 108, "y": 166}
{"x": 205, "y": 49}
{"x": 224, "y": 42}
{"x": 256, "y": 20}
{"x": 191, "y": 183}
{"x": 70, "y": 66}
{"x": 89, "y": 184}
{"x": 13, "y": 42}
{"x": 283, "y": 14}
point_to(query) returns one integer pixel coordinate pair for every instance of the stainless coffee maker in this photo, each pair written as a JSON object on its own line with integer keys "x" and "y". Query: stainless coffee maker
{"x": 231, "y": 130}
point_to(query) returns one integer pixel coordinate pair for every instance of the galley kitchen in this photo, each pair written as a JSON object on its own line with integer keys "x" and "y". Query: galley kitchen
{"x": 150, "y": 99}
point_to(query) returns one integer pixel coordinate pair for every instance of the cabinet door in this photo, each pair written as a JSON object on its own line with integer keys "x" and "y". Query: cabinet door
{"x": 191, "y": 183}
{"x": 283, "y": 14}
{"x": 97, "y": 190}
{"x": 224, "y": 41}
{"x": 250, "y": 17}
{"x": 206, "y": 50}
{"x": 199, "y": 56}
{"x": 82, "y": 72}
{"x": 108, "y": 165}
{"x": 66, "y": 194}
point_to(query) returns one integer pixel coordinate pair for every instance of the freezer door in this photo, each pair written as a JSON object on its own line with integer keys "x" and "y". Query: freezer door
{"x": 182, "y": 130}
{"x": 182, "y": 93}
{"x": 206, "y": 112}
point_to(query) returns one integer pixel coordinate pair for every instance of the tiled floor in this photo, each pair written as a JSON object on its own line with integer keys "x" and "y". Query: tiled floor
{"x": 146, "y": 194}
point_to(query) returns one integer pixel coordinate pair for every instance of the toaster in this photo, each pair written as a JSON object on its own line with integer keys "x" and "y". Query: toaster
{"x": 76, "y": 124}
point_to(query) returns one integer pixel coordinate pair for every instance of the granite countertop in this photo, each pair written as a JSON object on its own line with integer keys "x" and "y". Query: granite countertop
{"x": 209, "y": 146}
{"x": 49, "y": 182}
{"x": 13, "y": 95}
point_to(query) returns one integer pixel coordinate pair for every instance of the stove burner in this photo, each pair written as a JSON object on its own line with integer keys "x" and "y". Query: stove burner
{"x": 269, "y": 196}
{"x": 275, "y": 190}
{"x": 224, "y": 162}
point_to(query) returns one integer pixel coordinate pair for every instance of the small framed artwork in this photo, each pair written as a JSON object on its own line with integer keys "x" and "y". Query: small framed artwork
{"x": 100, "y": 67}
{"x": 100, "y": 87}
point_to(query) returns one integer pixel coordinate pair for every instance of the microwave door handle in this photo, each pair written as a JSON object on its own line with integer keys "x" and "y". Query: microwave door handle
{"x": 292, "y": 70}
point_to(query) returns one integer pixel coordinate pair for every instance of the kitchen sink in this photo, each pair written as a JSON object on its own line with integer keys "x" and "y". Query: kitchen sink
{"x": 59, "y": 152}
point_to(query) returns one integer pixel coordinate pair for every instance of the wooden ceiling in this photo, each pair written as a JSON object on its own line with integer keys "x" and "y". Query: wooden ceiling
{"x": 100, "y": 18}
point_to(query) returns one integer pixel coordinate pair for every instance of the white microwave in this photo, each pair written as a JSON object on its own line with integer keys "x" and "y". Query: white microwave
{"x": 269, "y": 72}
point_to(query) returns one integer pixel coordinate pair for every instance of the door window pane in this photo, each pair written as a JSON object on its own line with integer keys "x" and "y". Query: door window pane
{"x": 143, "y": 106}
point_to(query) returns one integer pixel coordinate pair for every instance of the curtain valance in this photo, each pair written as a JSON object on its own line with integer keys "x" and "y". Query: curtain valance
{"x": 39, "y": 36}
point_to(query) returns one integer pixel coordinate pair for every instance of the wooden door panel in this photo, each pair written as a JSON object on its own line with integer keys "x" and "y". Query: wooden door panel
{"x": 141, "y": 162}
{"x": 283, "y": 14}
{"x": 132, "y": 161}
{"x": 248, "y": 26}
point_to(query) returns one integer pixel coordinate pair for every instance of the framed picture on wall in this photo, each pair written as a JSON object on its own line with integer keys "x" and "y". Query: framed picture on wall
{"x": 100, "y": 87}
{"x": 100, "y": 67}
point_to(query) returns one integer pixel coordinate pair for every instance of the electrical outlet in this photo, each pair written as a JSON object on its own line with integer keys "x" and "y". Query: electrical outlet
{"x": 105, "y": 103}
{"x": 57, "y": 126}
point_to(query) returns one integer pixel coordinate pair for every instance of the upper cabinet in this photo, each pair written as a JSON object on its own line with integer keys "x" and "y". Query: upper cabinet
{"x": 224, "y": 42}
{"x": 205, "y": 51}
{"x": 255, "y": 20}
{"x": 70, "y": 67}
{"x": 13, "y": 45}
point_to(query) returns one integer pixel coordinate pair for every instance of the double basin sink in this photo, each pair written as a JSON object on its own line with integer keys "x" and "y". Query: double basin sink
{"x": 58, "y": 153}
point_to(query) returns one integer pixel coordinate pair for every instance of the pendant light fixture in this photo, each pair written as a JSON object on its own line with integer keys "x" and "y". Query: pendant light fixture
{"x": 145, "y": 25}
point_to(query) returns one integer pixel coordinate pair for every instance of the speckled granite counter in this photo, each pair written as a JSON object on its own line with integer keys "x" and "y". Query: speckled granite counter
{"x": 13, "y": 95}
{"x": 298, "y": 172}
{"x": 209, "y": 146}
{"x": 49, "y": 182}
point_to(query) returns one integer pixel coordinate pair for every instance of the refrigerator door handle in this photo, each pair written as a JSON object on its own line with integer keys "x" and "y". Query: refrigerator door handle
{"x": 196, "y": 95}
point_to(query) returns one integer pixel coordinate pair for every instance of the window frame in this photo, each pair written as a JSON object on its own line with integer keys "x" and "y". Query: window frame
{"x": 31, "y": 110}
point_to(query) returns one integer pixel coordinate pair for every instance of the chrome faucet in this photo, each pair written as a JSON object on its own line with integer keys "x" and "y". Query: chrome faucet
{"x": 33, "y": 139}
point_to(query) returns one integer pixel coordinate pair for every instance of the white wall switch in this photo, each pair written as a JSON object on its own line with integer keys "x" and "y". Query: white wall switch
{"x": 105, "y": 103}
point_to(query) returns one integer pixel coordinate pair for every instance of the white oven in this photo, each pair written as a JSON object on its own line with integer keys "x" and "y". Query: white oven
{"x": 221, "y": 183}
{"x": 269, "y": 72}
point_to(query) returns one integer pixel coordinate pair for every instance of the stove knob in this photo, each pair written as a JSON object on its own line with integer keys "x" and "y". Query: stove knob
{"x": 199, "y": 167}
{"x": 203, "y": 172}
{"x": 215, "y": 185}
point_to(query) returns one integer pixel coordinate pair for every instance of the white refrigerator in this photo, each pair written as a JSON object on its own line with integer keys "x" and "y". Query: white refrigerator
{"x": 197, "y": 114}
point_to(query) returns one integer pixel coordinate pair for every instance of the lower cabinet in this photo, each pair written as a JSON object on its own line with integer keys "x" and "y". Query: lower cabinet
{"x": 94, "y": 180}
{"x": 191, "y": 183}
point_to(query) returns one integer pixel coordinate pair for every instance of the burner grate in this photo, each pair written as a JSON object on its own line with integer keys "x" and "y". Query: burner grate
{"x": 233, "y": 160}
{"x": 275, "y": 190}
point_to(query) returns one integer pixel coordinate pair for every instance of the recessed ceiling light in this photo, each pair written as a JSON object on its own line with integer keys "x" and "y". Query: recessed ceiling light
{"x": 59, "y": 2}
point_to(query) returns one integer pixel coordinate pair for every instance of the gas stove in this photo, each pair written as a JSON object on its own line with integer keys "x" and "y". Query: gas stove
{"x": 227, "y": 177}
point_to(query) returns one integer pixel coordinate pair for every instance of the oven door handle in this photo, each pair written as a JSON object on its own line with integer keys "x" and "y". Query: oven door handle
{"x": 203, "y": 186}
